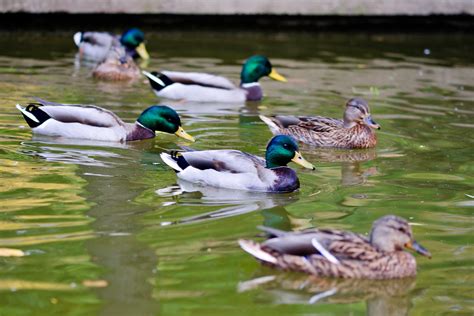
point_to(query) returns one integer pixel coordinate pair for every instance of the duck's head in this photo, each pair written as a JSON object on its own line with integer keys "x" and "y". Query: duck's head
{"x": 256, "y": 67}
{"x": 163, "y": 119}
{"x": 358, "y": 112}
{"x": 392, "y": 233}
{"x": 134, "y": 39}
{"x": 281, "y": 150}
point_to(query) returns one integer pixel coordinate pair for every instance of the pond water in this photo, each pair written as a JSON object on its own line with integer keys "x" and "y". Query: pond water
{"x": 108, "y": 230}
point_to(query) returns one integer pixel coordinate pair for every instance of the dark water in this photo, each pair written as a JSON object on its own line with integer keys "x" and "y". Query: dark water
{"x": 107, "y": 230}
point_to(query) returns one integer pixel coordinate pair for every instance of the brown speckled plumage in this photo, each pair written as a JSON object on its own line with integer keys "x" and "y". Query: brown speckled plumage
{"x": 379, "y": 257}
{"x": 354, "y": 131}
{"x": 118, "y": 66}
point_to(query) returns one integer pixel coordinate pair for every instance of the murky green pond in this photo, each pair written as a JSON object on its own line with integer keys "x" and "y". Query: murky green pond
{"x": 108, "y": 230}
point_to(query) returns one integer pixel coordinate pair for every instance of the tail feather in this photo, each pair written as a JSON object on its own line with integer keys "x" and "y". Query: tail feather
{"x": 254, "y": 249}
{"x": 171, "y": 161}
{"x": 273, "y": 126}
{"x": 77, "y": 38}
{"x": 26, "y": 113}
{"x": 157, "y": 80}
{"x": 33, "y": 115}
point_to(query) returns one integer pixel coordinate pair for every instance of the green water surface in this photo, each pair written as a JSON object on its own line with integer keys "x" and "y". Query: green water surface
{"x": 108, "y": 230}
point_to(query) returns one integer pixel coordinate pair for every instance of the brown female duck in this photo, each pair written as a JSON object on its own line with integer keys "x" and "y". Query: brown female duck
{"x": 342, "y": 254}
{"x": 356, "y": 130}
{"x": 117, "y": 66}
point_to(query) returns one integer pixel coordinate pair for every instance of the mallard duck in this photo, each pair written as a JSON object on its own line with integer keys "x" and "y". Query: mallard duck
{"x": 342, "y": 254}
{"x": 117, "y": 66}
{"x": 96, "y": 45}
{"x": 234, "y": 169}
{"x": 356, "y": 130}
{"x": 203, "y": 87}
{"x": 95, "y": 123}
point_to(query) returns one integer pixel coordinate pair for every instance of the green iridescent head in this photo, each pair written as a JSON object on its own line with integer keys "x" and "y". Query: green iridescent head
{"x": 281, "y": 150}
{"x": 256, "y": 67}
{"x": 163, "y": 119}
{"x": 134, "y": 41}
{"x": 132, "y": 38}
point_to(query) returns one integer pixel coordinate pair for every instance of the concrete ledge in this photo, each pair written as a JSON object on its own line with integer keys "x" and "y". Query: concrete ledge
{"x": 236, "y": 22}
{"x": 245, "y": 7}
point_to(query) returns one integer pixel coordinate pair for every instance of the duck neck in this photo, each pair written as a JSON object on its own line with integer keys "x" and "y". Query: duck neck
{"x": 139, "y": 131}
{"x": 274, "y": 160}
{"x": 357, "y": 126}
{"x": 253, "y": 90}
{"x": 361, "y": 136}
{"x": 350, "y": 124}
{"x": 131, "y": 52}
{"x": 286, "y": 180}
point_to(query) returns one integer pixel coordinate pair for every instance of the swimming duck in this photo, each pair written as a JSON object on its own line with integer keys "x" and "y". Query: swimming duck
{"x": 95, "y": 123}
{"x": 96, "y": 45}
{"x": 203, "y": 87}
{"x": 234, "y": 169}
{"x": 117, "y": 66}
{"x": 342, "y": 254}
{"x": 356, "y": 130}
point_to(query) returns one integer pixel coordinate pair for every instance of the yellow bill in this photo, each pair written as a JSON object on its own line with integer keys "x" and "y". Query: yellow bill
{"x": 298, "y": 159}
{"x": 181, "y": 133}
{"x": 276, "y": 76}
{"x": 142, "y": 52}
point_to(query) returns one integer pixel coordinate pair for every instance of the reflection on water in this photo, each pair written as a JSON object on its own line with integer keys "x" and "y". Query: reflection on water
{"x": 241, "y": 201}
{"x": 353, "y": 173}
{"x": 92, "y": 217}
{"x": 352, "y": 170}
{"x": 388, "y": 297}
{"x": 128, "y": 263}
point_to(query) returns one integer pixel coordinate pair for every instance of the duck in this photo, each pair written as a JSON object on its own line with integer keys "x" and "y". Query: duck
{"x": 204, "y": 87}
{"x": 96, "y": 45}
{"x": 342, "y": 254}
{"x": 117, "y": 66}
{"x": 95, "y": 123}
{"x": 355, "y": 130}
{"x": 237, "y": 170}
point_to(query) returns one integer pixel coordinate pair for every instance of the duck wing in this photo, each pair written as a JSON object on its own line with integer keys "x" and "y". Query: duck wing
{"x": 302, "y": 127}
{"x": 342, "y": 245}
{"x": 231, "y": 161}
{"x": 319, "y": 123}
{"x": 102, "y": 39}
{"x": 77, "y": 113}
{"x": 201, "y": 79}
{"x": 314, "y": 123}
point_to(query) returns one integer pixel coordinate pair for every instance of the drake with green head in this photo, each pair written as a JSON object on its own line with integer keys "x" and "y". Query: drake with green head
{"x": 203, "y": 87}
{"x": 134, "y": 42}
{"x": 96, "y": 45}
{"x": 95, "y": 123}
{"x": 234, "y": 169}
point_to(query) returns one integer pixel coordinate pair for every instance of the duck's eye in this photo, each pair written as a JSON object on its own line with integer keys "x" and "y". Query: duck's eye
{"x": 402, "y": 230}
{"x": 358, "y": 108}
{"x": 285, "y": 145}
